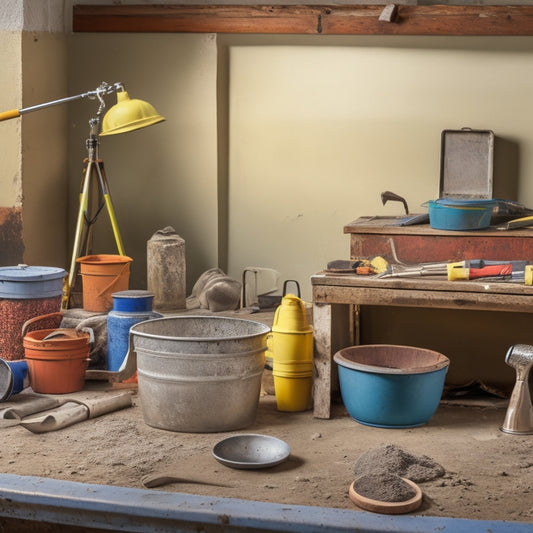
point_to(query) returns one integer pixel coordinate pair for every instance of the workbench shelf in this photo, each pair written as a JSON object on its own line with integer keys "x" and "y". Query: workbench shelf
{"x": 337, "y": 297}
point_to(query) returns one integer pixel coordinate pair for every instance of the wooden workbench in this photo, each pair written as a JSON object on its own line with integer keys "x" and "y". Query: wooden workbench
{"x": 336, "y": 296}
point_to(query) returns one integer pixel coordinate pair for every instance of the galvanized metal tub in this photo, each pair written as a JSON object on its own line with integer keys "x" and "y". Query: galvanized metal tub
{"x": 199, "y": 374}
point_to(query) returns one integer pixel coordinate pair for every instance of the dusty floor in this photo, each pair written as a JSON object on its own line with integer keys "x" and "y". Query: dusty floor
{"x": 489, "y": 474}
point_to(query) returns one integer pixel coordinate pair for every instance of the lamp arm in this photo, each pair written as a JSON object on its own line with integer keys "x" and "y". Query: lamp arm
{"x": 104, "y": 89}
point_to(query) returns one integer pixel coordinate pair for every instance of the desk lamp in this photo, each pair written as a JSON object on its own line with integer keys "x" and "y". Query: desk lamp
{"x": 126, "y": 115}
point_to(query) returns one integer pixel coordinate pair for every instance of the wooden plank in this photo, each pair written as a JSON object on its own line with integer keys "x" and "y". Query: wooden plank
{"x": 487, "y": 301}
{"x": 431, "y": 20}
{"x": 197, "y": 19}
{"x": 373, "y": 225}
{"x": 306, "y": 19}
{"x": 424, "y": 283}
{"x": 322, "y": 325}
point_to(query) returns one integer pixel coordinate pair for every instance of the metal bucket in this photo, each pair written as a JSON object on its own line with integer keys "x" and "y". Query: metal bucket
{"x": 199, "y": 374}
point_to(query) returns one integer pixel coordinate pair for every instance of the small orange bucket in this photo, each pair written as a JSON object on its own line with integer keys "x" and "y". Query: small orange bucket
{"x": 56, "y": 365}
{"x": 102, "y": 275}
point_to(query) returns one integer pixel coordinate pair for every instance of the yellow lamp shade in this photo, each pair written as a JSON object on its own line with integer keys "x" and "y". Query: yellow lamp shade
{"x": 128, "y": 115}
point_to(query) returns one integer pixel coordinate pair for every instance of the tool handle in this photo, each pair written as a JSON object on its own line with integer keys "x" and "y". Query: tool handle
{"x": 490, "y": 271}
{"x": 31, "y": 321}
{"x": 12, "y": 113}
{"x": 523, "y": 222}
{"x": 459, "y": 271}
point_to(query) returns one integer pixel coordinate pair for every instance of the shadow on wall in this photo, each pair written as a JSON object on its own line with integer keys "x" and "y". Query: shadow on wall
{"x": 506, "y": 168}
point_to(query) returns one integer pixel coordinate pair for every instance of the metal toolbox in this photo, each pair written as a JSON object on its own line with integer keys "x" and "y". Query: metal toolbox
{"x": 478, "y": 165}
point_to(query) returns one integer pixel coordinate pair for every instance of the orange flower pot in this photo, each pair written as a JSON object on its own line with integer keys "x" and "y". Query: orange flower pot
{"x": 57, "y": 365}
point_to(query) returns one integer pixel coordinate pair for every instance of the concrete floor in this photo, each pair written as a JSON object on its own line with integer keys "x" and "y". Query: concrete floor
{"x": 89, "y": 475}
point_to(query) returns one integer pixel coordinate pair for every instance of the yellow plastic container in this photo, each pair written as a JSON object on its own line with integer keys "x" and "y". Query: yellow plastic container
{"x": 292, "y": 336}
{"x": 290, "y": 345}
{"x": 293, "y": 390}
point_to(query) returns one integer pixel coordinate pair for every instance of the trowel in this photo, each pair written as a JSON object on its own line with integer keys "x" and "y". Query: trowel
{"x": 409, "y": 219}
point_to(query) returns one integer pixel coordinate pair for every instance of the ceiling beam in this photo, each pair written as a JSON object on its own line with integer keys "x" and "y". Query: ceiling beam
{"x": 308, "y": 19}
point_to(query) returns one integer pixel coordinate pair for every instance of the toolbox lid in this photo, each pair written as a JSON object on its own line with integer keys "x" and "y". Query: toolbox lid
{"x": 467, "y": 164}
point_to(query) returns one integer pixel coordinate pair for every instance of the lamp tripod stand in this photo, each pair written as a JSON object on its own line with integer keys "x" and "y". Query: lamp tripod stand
{"x": 126, "y": 115}
{"x": 94, "y": 184}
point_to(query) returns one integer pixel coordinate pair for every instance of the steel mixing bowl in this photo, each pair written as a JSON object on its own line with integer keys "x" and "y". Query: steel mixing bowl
{"x": 249, "y": 451}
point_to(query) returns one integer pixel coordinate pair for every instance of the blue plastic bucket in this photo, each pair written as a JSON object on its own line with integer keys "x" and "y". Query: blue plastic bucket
{"x": 13, "y": 378}
{"x": 391, "y": 386}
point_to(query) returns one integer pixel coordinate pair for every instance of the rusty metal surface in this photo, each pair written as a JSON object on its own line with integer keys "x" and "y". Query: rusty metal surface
{"x": 417, "y": 244}
{"x": 11, "y": 243}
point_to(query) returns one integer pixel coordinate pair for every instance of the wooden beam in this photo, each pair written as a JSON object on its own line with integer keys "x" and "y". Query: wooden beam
{"x": 307, "y": 19}
{"x": 196, "y": 19}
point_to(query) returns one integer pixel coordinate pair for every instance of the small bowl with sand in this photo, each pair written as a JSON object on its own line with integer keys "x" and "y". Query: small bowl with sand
{"x": 385, "y": 493}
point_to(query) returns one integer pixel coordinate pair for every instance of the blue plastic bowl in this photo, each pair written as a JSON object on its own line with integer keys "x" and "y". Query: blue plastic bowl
{"x": 390, "y": 386}
{"x": 457, "y": 216}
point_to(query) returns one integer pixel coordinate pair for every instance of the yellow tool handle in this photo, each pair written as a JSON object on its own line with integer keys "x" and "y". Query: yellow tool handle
{"x": 457, "y": 271}
{"x": 519, "y": 223}
{"x": 528, "y": 275}
{"x": 6, "y": 115}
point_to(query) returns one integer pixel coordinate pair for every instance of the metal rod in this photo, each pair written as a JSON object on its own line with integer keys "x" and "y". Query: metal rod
{"x": 103, "y": 89}
{"x": 49, "y": 104}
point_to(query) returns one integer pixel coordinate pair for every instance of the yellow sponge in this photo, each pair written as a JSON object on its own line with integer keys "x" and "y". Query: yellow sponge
{"x": 379, "y": 264}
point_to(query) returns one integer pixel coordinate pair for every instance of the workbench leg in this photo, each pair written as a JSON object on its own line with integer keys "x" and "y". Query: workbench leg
{"x": 322, "y": 326}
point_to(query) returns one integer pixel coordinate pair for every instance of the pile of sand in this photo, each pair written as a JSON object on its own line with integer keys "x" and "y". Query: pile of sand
{"x": 384, "y": 488}
{"x": 379, "y": 473}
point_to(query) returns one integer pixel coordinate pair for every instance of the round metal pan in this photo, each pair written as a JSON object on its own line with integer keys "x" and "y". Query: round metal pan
{"x": 250, "y": 451}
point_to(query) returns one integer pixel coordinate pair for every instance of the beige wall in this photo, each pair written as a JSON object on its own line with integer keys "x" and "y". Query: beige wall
{"x": 10, "y": 98}
{"x": 33, "y": 184}
{"x": 162, "y": 175}
{"x": 44, "y": 138}
{"x": 316, "y": 129}
{"x": 318, "y": 132}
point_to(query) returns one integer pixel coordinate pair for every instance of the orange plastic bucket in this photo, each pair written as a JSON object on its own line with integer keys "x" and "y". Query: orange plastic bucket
{"x": 57, "y": 365}
{"x": 102, "y": 275}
